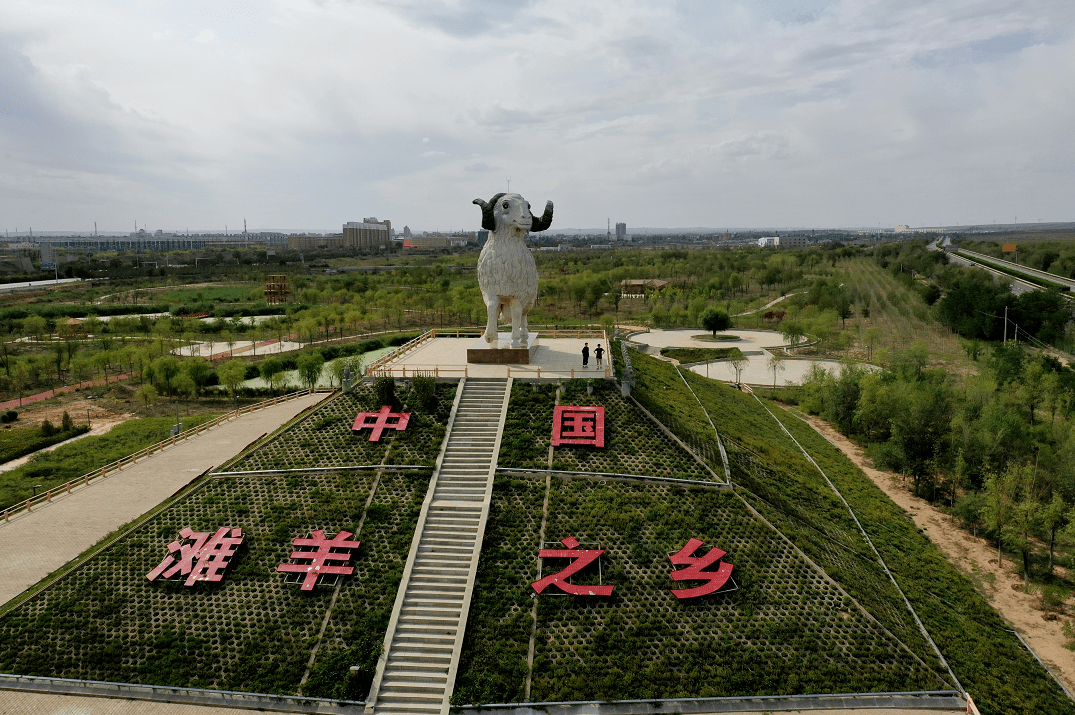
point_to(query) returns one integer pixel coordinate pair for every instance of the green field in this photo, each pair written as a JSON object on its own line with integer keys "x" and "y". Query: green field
{"x": 690, "y": 355}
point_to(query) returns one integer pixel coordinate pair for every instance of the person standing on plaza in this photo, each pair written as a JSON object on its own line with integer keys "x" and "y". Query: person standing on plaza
{"x": 585, "y": 354}
{"x": 599, "y": 353}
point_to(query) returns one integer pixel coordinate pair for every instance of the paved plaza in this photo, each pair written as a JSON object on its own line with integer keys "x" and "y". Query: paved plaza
{"x": 758, "y": 346}
{"x": 555, "y": 357}
{"x": 34, "y": 544}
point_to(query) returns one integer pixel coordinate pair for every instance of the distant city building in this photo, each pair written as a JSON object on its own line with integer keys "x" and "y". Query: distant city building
{"x": 904, "y": 228}
{"x": 768, "y": 241}
{"x": 481, "y": 237}
{"x": 600, "y": 245}
{"x": 427, "y": 243}
{"x": 406, "y": 232}
{"x": 621, "y": 232}
{"x": 367, "y": 232}
{"x": 48, "y": 257}
{"x": 792, "y": 241}
{"x": 309, "y": 242}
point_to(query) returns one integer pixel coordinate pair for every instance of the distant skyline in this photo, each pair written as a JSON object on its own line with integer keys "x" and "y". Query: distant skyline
{"x": 861, "y": 113}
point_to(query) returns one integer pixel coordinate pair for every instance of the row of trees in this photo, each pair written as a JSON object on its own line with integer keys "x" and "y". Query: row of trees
{"x": 998, "y": 447}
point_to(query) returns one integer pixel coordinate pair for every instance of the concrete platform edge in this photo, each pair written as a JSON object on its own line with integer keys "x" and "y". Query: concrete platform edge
{"x": 184, "y": 696}
{"x": 946, "y": 700}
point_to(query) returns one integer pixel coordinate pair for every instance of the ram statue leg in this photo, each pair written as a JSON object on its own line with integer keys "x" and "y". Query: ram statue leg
{"x": 492, "y": 311}
{"x": 518, "y": 323}
{"x": 526, "y": 322}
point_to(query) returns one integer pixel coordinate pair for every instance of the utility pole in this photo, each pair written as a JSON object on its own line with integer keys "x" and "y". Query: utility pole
{"x": 1005, "y": 324}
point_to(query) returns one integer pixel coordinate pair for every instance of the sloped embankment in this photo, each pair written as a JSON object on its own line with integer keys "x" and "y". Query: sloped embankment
{"x": 814, "y": 610}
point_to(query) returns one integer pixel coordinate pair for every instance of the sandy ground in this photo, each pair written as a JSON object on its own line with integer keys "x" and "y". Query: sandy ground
{"x": 1002, "y": 585}
{"x": 102, "y": 419}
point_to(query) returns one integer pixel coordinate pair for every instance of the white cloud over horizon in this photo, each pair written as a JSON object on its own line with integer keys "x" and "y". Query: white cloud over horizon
{"x": 295, "y": 113}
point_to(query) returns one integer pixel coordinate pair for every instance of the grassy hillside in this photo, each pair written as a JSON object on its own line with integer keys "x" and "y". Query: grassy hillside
{"x": 250, "y": 632}
{"x": 814, "y": 611}
{"x": 254, "y": 631}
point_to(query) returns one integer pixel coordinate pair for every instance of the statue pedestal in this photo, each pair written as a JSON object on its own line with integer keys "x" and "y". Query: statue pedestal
{"x": 501, "y": 352}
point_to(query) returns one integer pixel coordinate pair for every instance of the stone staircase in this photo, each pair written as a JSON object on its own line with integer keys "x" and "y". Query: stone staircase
{"x": 416, "y": 673}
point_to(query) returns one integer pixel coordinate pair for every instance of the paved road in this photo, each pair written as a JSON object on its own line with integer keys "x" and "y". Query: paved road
{"x": 34, "y": 544}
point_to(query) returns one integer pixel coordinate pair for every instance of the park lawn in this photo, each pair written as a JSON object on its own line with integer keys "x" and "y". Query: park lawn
{"x": 218, "y": 294}
{"x": 70, "y": 461}
{"x": 690, "y": 355}
{"x": 719, "y": 338}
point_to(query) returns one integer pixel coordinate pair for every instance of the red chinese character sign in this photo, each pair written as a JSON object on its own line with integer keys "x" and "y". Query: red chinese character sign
{"x": 581, "y": 559}
{"x": 324, "y": 549}
{"x": 715, "y": 580}
{"x": 205, "y": 559}
{"x": 578, "y": 425}
{"x": 380, "y": 422}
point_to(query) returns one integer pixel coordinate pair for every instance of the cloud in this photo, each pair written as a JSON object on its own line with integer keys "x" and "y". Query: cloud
{"x": 309, "y": 112}
{"x": 462, "y": 18}
{"x": 206, "y": 37}
{"x": 992, "y": 49}
{"x": 767, "y": 145}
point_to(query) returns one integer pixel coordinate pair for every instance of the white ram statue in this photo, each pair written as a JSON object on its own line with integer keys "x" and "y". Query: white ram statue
{"x": 507, "y": 274}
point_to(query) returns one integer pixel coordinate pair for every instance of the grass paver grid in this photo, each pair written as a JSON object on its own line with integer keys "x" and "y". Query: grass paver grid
{"x": 787, "y": 630}
{"x": 251, "y": 632}
{"x": 633, "y": 443}
{"x": 528, "y": 426}
{"x": 324, "y": 439}
{"x": 493, "y": 660}
{"x": 790, "y": 492}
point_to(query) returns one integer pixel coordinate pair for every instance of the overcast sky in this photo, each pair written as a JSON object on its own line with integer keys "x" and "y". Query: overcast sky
{"x": 305, "y": 114}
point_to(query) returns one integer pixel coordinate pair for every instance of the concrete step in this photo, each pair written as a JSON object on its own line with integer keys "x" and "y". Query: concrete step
{"x": 430, "y": 619}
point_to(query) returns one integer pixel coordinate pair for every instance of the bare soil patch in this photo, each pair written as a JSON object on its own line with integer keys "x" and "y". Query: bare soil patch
{"x": 1001, "y": 584}
{"x": 103, "y": 417}
{"x": 104, "y": 413}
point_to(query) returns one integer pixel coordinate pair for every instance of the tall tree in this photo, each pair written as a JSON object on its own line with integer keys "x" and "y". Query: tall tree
{"x": 310, "y": 365}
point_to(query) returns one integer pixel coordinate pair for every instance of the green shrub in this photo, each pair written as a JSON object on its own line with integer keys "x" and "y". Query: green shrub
{"x": 48, "y": 429}
{"x": 9, "y": 416}
{"x": 425, "y": 390}
{"x": 385, "y": 390}
{"x": 1053, "y": 597}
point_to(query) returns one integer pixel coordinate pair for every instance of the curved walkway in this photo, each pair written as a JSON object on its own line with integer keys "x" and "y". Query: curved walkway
{"x": 768, "y": 305}
{"x": 34, "y": 544}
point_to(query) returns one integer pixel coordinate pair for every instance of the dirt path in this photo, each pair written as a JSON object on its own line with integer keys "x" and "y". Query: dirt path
{"x": 102, "y": 420}
{"x": 974, "y": 557}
